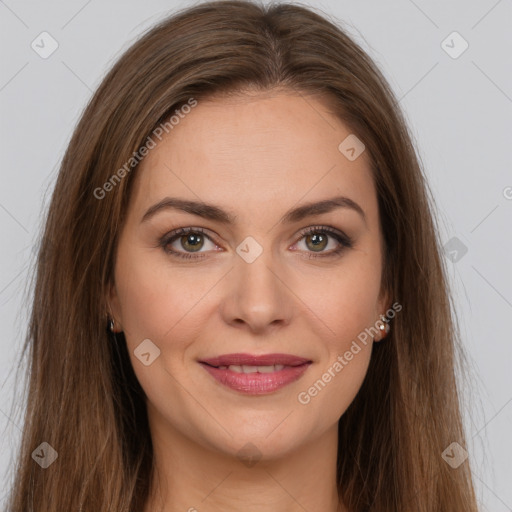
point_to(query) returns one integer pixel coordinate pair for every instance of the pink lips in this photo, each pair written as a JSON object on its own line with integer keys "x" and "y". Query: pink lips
{"x": 290, "y": 369}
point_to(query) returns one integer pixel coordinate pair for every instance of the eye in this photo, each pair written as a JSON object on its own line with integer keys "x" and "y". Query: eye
{"x": 316, "y": 240}
{"x": 187, "y": 242}
{"x": 191, "y": 240}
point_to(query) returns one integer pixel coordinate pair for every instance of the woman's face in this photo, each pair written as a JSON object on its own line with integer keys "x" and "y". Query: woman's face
{"x": 249, "y": 278}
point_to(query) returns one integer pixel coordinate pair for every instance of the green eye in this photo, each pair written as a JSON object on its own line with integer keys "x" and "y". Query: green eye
{"x": 192, "y": 240}
{"x": 317, "y": 239}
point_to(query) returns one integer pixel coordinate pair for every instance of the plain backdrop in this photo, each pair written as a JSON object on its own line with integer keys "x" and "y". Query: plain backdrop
{"x": 458, "y": 103}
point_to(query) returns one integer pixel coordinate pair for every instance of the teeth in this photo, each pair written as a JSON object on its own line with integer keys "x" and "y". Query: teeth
{"x": 253, "y": 369}
{"x": 269, "y": 369}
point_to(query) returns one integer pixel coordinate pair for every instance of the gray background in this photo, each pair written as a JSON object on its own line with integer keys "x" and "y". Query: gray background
{"x": 459, "y": 110}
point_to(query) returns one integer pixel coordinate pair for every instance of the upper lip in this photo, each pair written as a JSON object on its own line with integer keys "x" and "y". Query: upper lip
{"x": 254, "y": 360}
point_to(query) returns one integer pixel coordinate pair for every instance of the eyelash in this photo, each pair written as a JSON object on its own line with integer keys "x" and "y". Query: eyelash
{"x": 345, "y": 242}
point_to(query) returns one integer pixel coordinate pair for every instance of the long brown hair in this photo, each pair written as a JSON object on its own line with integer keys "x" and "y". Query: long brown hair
{"x": 83, "y": 398}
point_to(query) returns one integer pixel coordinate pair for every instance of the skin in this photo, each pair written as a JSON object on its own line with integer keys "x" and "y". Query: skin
{"x": 257, "y": 156}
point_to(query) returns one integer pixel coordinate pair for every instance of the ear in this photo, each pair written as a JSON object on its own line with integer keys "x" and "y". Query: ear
{"x": 383, "y": 304}
{"x": 113, "y": 306}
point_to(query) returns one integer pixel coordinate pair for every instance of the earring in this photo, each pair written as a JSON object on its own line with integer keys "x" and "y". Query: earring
{"x": 111, "y": 325}
{"x": 384, "y": 327}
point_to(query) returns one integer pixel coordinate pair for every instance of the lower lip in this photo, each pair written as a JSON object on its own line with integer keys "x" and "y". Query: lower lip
{"x": 257, "y": 383}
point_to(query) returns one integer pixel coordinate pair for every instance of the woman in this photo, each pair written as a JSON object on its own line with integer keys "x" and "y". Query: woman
{"x": 240, "y": 301}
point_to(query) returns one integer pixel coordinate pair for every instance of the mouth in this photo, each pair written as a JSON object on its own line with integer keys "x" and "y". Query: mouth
{"x": 256, "y": 375}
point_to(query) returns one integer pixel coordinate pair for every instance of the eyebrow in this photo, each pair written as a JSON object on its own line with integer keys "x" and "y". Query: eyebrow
{"x": 215, "y": 213}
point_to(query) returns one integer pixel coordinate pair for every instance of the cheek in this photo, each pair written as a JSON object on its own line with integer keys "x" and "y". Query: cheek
{"x": 345, "y": 302}
{"x": 154, "y": 298}
{"x": 158, "y": 305}
{"x": 332, "y": 387}
{"x": 144, "y": 298}
{"x": 340, "y": 373}
{"x": 346, "y": 307}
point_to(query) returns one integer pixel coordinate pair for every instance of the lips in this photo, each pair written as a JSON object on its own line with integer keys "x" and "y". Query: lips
{"x": 256, "y": 375}
{"x": 253, "y": 360}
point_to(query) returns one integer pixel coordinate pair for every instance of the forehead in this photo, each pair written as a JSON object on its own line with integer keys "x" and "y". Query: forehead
{"x": 256, "y": 151}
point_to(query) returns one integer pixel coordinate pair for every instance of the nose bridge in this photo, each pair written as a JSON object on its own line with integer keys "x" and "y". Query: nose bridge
{"x": 259, "y": 296}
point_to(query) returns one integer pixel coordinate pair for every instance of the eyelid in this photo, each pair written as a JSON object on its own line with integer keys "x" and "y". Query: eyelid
{"x": 344, "y": 241}
{"x": 333, "y": 232}
{"x": 169, "y": 237}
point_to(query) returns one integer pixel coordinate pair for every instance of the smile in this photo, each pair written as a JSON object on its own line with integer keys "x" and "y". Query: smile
{"x": 256, "y": 375}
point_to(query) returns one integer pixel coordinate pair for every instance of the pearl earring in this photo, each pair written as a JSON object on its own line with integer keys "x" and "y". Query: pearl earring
{"x": 384, "y": 327}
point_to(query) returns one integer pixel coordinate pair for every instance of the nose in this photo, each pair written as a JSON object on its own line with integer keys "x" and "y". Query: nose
{"x": 257, "y": 296}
